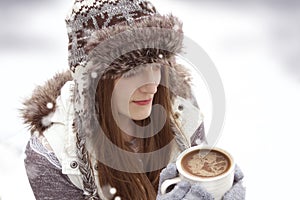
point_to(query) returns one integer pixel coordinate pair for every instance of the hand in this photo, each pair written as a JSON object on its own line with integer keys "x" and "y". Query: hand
{"x": 237, "y": 191}
{"x": 183, "y": 190}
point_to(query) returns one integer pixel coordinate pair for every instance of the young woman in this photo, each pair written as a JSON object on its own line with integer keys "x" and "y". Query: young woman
{"x": 107, "y": 128}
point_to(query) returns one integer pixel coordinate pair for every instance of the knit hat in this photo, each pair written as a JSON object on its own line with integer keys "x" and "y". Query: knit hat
{"x": 88, "y": 17}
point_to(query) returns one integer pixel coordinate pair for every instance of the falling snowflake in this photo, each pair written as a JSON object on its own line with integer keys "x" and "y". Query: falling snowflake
{"x": 94, "y": 75}
{"x": 49, "y": 105}
{"x": 113, "y": 191}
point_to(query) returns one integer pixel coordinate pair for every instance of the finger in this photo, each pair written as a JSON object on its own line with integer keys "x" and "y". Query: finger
{"x": 169, "y": 172}
{"x": 180, "y": 190}
{"x": 238, "y": 174}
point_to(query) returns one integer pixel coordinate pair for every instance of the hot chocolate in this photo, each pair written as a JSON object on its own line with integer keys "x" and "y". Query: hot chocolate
{"x": 205, "y": 163}
{"x": 213, "y": 168}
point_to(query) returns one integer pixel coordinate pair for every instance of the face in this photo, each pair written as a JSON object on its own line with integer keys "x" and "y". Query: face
{"x": 134, "y": 91}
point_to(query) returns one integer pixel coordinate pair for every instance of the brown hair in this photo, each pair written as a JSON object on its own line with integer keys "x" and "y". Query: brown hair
{"x": 132, "y": 185}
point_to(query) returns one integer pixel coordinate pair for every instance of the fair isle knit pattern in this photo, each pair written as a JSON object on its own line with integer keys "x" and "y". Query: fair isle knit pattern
{"x": 87, "y": 16}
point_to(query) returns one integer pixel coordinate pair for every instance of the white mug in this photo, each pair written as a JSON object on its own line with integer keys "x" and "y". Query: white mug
{"x": 213, "y": 168}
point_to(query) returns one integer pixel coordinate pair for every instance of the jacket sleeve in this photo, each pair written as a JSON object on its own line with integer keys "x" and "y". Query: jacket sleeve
{"x": 47, "y": 180}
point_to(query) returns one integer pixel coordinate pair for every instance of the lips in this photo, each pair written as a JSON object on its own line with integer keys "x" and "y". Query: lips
{"x": 143, "y": 102}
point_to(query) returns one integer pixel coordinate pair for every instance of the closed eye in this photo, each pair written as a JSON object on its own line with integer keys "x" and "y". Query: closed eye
{"x": 133, "y": 72}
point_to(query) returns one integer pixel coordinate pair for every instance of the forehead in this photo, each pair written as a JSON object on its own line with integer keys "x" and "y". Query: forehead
{"x": 115, "y": 74}
{"x": 143, "y": 66}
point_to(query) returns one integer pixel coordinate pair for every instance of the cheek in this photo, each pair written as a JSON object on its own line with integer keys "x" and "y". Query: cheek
{"x": 122, "y": 93}
{"x": 157, "y": 76}
{"x": 119, "y": 95}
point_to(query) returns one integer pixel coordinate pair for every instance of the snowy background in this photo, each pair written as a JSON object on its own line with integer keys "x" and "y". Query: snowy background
{"x": 255, "y": 46}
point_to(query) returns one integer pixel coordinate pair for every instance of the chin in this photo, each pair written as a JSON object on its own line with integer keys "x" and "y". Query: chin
{"x": 141, "y": 116}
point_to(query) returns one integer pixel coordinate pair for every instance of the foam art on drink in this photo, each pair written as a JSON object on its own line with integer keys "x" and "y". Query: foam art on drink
{"x": 205, "y": 163}
{"x": 213, "y": 168}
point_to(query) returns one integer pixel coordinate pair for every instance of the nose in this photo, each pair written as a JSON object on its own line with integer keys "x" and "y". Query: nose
{"x": 151, "y": 78}
{"x": 150, "y": 88}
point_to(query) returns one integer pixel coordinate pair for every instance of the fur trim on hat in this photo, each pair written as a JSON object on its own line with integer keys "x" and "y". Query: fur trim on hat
{"x": 43, "y": 102}
{"x": 120, "y": 48}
